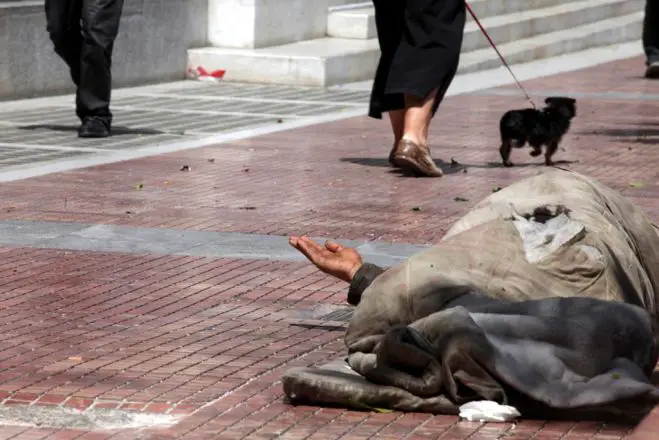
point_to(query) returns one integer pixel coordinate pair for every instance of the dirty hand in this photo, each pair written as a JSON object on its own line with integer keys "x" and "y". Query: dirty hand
{"x": 333, "y": 258}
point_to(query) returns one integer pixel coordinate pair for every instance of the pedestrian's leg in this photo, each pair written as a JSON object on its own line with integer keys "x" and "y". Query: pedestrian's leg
{"x": 651, "y": 38}
{"x": 63, "y": 26}
{"x": 425, "y": 64}
{"x": 412, "y": 152}
{"x": 397, "y": 120}
{"x": 100, "y": 25}
{"x": 389, "y": 24}
{"x": 418, "y": 114}
{"x": 432, "y": 23}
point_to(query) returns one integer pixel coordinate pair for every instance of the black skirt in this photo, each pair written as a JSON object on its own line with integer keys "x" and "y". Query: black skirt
{"x": 420, "y": 42}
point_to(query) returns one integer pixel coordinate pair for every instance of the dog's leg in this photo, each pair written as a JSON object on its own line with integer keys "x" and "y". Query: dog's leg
{"x": 506, "y": 148}
{"x": 549, "y": 152}
{"x": 536, "y": 145}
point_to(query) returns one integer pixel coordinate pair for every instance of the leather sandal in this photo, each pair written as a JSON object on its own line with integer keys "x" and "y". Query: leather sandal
{"x": 413, "y": 157}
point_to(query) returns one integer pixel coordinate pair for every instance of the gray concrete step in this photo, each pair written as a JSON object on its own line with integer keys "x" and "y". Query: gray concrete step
{"x": 357, "y": 20}
{"x": 600, "y": 33}
{"x": 352, "y": 23}
{"x": 320, "y": 62}
{"x": 536, "y": 22}
{"x": 504, "y": 24}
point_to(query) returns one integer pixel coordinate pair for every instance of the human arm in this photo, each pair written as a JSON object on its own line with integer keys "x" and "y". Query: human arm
{"x": 362, "y": 279}
{"x": 341, "y": 262}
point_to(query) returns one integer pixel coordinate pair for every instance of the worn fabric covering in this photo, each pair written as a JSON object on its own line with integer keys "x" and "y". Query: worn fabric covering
{"x": 554, "y": 357}
{"x": 557, "y": 234}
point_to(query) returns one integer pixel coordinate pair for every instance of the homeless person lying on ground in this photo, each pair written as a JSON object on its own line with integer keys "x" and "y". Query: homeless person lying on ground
{"x": 543, "y": 297}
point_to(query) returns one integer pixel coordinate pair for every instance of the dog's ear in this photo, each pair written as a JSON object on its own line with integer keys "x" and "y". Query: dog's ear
{"x": 549, "y": 99}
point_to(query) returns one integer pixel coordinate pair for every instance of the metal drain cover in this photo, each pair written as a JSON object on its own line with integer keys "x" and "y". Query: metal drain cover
{"x": 326, "y": 316}
{"x": 324, "y": 312}
{"x": 340, "y": 315}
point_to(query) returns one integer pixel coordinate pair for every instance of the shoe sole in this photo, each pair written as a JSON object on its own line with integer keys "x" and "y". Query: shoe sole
{"x": 93, "y": 136}
{"x": 652, "y": 72}
{"x": 408, "y": 164}
{"x": 392, "y": 161}
{"x": 392, "y": 157}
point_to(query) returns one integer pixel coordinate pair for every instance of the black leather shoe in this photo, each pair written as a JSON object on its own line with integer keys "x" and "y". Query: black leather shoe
{"x": 94, "y": 127}
{"x": 652, "y": 70}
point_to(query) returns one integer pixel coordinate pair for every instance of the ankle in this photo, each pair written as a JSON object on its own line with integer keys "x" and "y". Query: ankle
{"x": 418, "y": 140}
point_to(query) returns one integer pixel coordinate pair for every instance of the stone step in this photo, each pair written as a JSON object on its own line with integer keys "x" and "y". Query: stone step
{"x": 352, "y": 23}
{"x": 522, "y": 36}
{"x": 319, "y": 62}
{"x": 357, "y": 20}
{"x": 343, "y": 3}
{"x": 515, "y": 26}
{"x": 616, "y": 30}
{"x": 504, "y": 22}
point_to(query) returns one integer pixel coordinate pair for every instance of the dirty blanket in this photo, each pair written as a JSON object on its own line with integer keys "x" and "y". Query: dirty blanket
{"x": 561, "y": 274}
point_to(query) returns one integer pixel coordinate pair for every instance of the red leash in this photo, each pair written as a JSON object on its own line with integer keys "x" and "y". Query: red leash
{"x": 503, "y": 60}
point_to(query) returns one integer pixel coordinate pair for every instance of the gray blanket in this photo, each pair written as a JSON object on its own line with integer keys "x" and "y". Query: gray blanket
{"x": 565, "y": 273}
{"x": 561, "y": 356}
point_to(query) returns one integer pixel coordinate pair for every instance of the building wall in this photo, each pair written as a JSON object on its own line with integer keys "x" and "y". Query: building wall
{"x": 153, "y": 38}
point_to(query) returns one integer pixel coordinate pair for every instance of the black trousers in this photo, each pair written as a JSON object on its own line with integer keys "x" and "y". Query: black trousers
{"x": 83, "y": 33}
{"x": 651, "y": 30}
{"x": 420, "y": 41}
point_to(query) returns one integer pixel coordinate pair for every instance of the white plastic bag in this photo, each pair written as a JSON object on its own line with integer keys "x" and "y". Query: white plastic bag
{"x": 488, "y": 411}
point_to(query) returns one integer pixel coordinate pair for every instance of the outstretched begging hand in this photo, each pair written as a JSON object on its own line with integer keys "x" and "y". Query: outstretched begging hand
{"x": 333, "y": 258}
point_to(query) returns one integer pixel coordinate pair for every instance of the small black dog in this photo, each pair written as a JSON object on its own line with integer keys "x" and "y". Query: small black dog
{"x": 537, "y": 127}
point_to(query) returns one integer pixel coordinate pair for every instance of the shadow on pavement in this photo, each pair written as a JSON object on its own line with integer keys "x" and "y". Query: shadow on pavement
{"x": 447, "y": 168}
{"x": 116, "y": 131}
{"x": 644, "y": 132}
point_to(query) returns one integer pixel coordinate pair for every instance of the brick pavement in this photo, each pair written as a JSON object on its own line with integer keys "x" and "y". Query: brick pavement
{"x": 208, "y": 339}
{"x": 304, "y": 180}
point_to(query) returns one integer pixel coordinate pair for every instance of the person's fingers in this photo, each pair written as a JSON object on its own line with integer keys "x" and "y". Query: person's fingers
{"x": 311, "y": 250}
{"x": 333, "y": 246}
{"x": 296, "y": 242}
{"x": 313, "y": 245}
{"x": 303, "y": 247}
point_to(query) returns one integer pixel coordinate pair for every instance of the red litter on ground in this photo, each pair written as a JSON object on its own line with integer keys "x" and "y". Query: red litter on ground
{"x": 203, "y": 75}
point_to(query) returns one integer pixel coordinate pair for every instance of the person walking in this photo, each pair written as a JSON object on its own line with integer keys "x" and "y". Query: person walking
{"x": 651, "y": 38}
{"x": 420, "y": 43}
{"x": 83, "y": 34}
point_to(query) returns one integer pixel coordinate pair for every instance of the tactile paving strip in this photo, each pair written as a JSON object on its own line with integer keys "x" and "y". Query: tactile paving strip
{"x": 161, "y": 114}
{"x": 17, "y": 156}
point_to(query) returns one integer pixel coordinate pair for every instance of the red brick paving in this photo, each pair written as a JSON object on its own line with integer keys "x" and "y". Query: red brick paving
{"x": 118, "y": 332}
{"x": 209, "y": 338}
{"x": 616, "y": 76}
{"x": 307, "y": 180}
